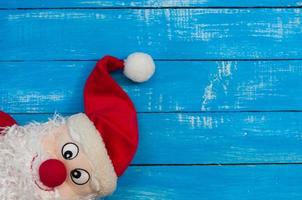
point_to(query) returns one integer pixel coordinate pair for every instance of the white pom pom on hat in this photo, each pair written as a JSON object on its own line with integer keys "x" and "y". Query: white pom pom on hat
{"x": 139, "y": 67}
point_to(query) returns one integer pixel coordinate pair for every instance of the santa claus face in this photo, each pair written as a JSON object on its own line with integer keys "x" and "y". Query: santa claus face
{"x": 42, "y": 161}
{"x": 68, "y": 170}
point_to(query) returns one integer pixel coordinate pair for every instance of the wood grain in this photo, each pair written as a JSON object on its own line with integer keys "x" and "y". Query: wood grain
{"x": 176, "y": 86}
{"x": 214, "y": 138}
{"x": 221, "y": 119}
{"x": 164, "y": 33}
{"x": 142, "y": 3}
{"x": 211, "y": 183}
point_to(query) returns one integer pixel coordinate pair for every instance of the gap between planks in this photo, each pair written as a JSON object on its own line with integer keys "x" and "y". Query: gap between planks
{"x": 155, "y": 8}
{"x": 213, "y": 164}
{"x": 176, "y": 112}
{"x": 162, "y": 60}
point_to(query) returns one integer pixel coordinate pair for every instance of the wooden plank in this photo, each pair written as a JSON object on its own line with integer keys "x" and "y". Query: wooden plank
{"x": 208, "y": 86}
{"x": 164, "y": 33}
{"x": 142, "y": 3}
{"x": 211, "y": 183}
{"x": 215, "y": 138}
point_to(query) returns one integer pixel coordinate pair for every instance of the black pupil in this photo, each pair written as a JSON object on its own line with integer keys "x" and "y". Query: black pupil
{"x": 76, "y": 174}
{"x": 68, "y": 154}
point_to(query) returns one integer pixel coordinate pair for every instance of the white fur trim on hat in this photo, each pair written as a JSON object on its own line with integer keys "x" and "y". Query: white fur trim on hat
{"x": 83, "y": 131}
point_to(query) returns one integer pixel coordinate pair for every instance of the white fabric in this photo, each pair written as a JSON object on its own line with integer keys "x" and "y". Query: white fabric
{"x": 139, "y": 67}
{"x": 83, "y": 130}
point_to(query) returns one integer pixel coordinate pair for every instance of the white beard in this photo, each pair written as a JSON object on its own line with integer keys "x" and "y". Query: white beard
{"x": 18, "y": 146}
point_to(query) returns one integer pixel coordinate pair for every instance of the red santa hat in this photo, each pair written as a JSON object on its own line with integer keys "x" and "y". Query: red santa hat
{"x": 5, "y": 121}
{"x": 108, "y": 130}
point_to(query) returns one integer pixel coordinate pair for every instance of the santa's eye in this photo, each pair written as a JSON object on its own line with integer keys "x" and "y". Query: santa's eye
{"x": 79, "y": 176}
{"x": 70, "y": 151}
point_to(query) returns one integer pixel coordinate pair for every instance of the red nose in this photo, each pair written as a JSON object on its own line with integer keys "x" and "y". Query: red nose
{"x": 52, "y": 173}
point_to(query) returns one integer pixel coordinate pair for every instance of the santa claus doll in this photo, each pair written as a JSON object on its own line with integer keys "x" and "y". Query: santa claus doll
{"x": 79, "y": 157}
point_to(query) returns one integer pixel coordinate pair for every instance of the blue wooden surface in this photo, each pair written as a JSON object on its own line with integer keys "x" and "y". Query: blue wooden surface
{"x": 211, "y": 183}
{"x": 221, "y": 119}
{"x": 209, "y": 86}
{"x": 143, "y": 3}
{"x": 164, "y": 33}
